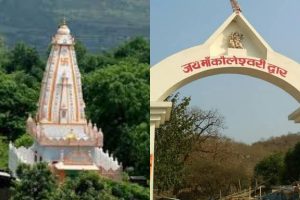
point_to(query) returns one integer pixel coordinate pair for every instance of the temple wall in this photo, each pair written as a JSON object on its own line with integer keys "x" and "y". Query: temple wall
{"x": 105, "y": 161}
{"x": 19, "y": 155}
{"x": 50, "y": 154}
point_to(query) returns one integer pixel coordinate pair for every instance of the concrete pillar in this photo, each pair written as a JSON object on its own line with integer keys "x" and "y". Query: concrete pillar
{"x": 159, "y": 113}
{"x": 152, "y": 140}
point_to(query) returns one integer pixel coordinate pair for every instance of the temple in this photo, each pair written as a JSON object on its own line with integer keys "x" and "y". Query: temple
{"x": 63, "y": 137}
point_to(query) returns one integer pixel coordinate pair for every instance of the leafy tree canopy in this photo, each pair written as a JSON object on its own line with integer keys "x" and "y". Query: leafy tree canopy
{"x": 27, "y": 59}
{"x": 118, "y": 100}
{"x": 36, "y": 182}
{"x": 17, "y": 101}
{"x": 176, "y": 139}
{"x": 292, "y": 163}
{"x": 270, "y": 169}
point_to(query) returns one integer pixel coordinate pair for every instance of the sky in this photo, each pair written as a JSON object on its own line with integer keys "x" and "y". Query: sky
{"x": 253, "y": 109}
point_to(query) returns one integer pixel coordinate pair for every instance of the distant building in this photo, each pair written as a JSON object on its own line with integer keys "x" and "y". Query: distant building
{"x": 63, "y": 136}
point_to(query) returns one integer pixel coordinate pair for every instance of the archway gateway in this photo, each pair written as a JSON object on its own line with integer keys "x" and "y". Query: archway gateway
{"x": 235, "y": 48}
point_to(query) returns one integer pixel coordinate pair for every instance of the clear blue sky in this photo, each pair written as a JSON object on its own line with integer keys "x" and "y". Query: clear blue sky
{"x": 253, "y": 109}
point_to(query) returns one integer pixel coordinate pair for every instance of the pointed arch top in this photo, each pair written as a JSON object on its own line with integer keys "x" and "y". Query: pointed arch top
{"x": 241, "y": 22}
{"x": 217, "y": 56}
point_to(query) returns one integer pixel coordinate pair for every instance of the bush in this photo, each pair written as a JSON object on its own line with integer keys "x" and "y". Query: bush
{"x": 36, "y": 182}
{"x": 129, "y": 191}
{"x": 25, "y": 140}
{"x": 89, "y": 185}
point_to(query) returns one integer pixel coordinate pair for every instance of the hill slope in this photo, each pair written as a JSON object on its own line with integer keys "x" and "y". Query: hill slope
{"x": 100, "y": 25}
{"x": 280, "y": 144}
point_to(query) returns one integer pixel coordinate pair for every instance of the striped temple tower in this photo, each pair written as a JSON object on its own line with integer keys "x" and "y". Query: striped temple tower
{"x": 63, "y": 136}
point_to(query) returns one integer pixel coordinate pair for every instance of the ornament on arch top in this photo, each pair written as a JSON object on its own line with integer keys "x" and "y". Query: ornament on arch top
{"x": 235, "y": 6}
{"x": 235, "y": 40}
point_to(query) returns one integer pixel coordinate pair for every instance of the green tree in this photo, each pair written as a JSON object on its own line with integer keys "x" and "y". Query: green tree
{"x": 135, "y": 148}
{"x": 81, "y": 51}
{"x": 117, "y": 100}
{"x": 174, "y": 141}
{"x": 129, "y": 191}
{"x": 135, "y": 48}
{"x": 3, "y": 54}
{"x": 292, "y": 163}
{"x": 17, "y": 101}
{"x": 36, "y": 183}
{"x": 85, "y": 187}
{"x": 270, "y": 169}
{"x": 27, "y": 59}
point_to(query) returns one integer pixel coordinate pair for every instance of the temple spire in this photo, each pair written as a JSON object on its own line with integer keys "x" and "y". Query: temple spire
{"x": 61, "y": 99}
{"x": 235, "y": 6}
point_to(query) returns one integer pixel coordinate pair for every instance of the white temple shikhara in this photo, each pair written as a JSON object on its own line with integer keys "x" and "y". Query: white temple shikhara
{"x": 63, "y": 136}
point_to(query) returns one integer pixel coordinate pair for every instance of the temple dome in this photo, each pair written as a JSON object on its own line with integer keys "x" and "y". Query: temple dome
{"x": 63, "y": 30}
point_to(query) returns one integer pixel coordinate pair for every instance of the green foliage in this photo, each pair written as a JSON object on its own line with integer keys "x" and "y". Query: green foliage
{"x": 270, "y": 169}
{"x": 134, "y": 147}
{"x": 137, "y": 48}
{"x": 117, "y": 100}
{"x": 129, "y": 192}
{"x": 89, "y": 62}
{"x": 89, "y": 185}
{"x": 139, "y": 137}
{"x": 3, "y": 153}
{"x": 22, "y": 170}
{"x": 81, "y": 52}
{"x": 175, "y": 141}
{"x": 118, "y": 94}
{"x": 17, "y": 101}
{"x": 171, "y": 144}
{"x": 36, "y": 182}
{"x": 292, "y": 163}
{"x": 19, "y": 85}
{"x": 85, "y": 187}
{"x": 116, "y": 91}
{"x": 3, "y": 53}
{"x": 125, "y": 176}
{"x": 280, "y": 169}
{"x": 25, "y": 140}
{"x": 27, "y": 59}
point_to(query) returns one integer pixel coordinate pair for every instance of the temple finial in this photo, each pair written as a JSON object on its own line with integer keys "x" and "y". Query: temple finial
{"x": 63, "y": 21}
{"x": 235, "y": 6}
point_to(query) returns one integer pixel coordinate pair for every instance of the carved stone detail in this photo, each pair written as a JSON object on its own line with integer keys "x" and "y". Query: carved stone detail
{"x": 235, "y": 40}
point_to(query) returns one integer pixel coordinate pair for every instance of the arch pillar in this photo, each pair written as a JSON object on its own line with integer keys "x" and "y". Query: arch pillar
{"x": 160, "y": 112}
